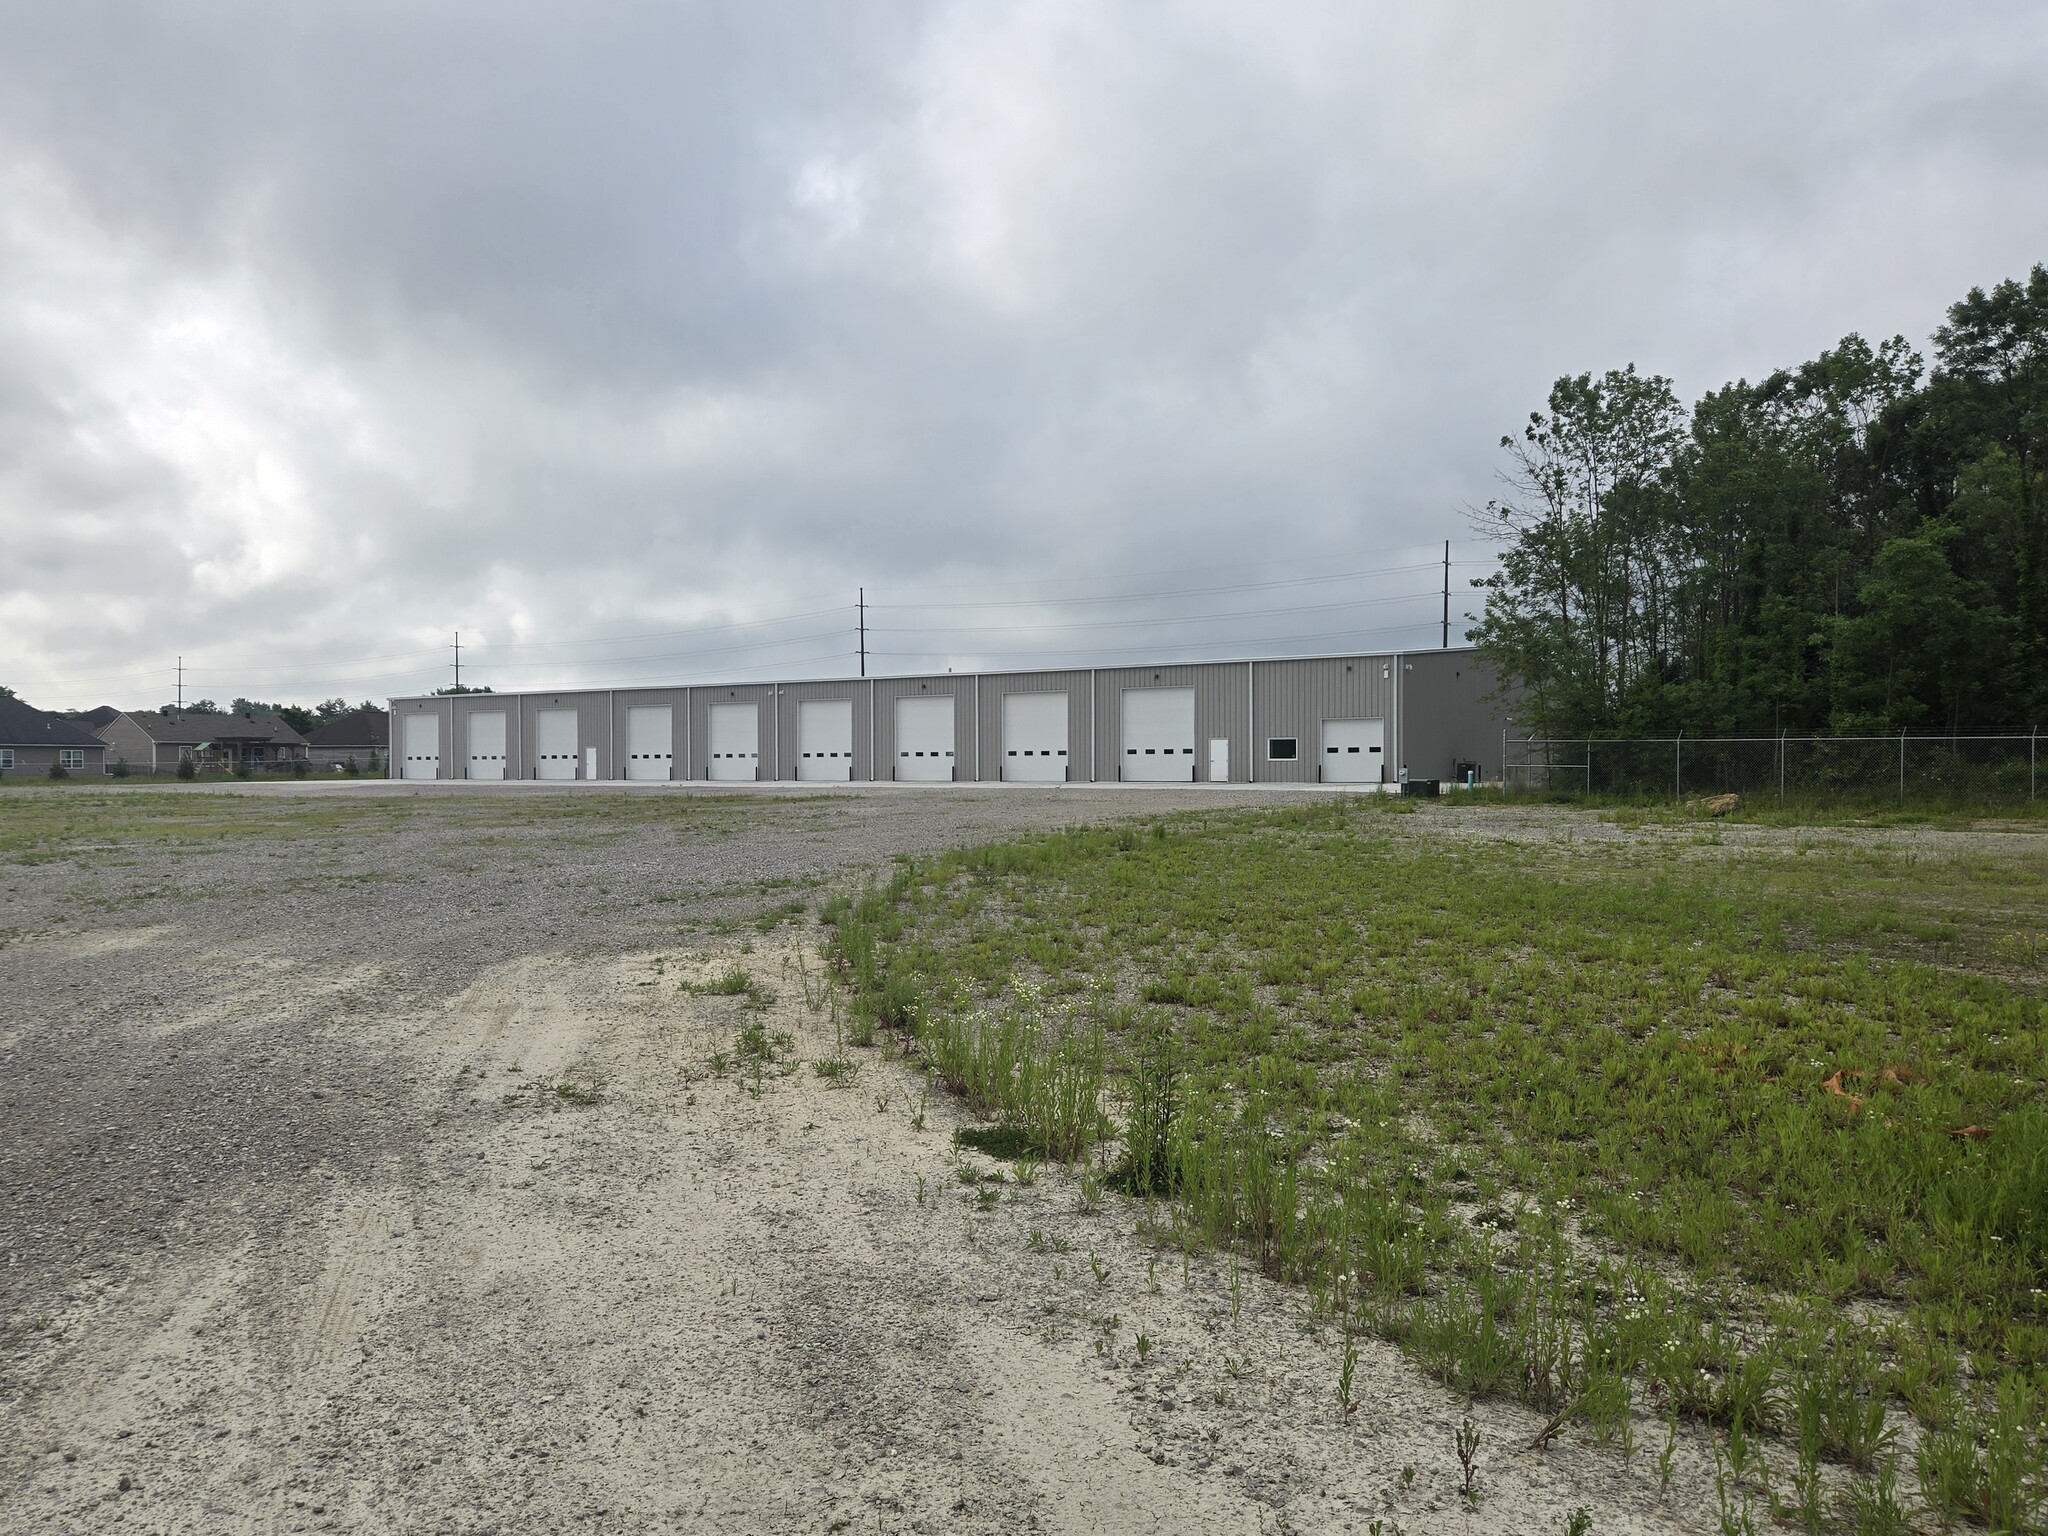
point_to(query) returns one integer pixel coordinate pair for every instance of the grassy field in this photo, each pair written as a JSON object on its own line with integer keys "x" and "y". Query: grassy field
{"x": 1668, "y": 1125}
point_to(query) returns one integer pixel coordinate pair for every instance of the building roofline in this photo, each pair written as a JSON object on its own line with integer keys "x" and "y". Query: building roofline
{"x": 915, "y": 677}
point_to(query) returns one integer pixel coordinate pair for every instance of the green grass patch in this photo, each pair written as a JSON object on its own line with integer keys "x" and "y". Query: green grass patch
{"x": 1755, "y": 1134}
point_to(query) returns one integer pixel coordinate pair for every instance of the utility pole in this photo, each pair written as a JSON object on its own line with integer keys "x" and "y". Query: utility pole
{"x": 1447, "y": 594}
{"x": 863, "y": 606}
{"x": 458, "y": 661}
{"x": 181, "y": 685}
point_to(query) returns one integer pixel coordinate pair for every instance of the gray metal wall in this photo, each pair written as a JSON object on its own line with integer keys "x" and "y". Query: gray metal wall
{"x": 887, "y": 690}
{"x": 701, "y": 700}
{"x": 1439, "y": 710}
{"x": 1219, "y": 712}
{"x": 676, "y": 701}
{"x": 793, "y": 694}
{"x": 1080, "y": 739}
{"x": 1448, "y": 704}
{"x": 1294, "y": 698}
{"x": 594, "y": 711}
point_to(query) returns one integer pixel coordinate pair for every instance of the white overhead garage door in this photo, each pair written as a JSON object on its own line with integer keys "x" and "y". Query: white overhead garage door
{"x": 735, "y": 741}
{"x": 924, "y": 739}
{"x": 1159, "y": 735}
{"x": 554, "y": 744}
{"x": 824, "y": 739}
{"x": 1035, "y": 737}
{"x": 487, "y": 744}
{"x": 1352, "y": 752}
{"x": 650, "y": 741}
{"x": 422, "y": 747}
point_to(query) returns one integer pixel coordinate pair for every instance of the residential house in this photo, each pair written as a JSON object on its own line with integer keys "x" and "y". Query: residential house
{"x": 362, "y": 737}
{"x": 153, "y": 741}
{"x": 32, "y": 741}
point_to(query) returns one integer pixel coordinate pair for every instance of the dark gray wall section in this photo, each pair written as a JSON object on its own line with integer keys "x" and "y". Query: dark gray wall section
{"x": 1448, "y": 712}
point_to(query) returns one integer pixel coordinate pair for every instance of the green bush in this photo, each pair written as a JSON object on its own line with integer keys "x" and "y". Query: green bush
{"x": 186, "y": 771}
{"x": 59, "y": 771}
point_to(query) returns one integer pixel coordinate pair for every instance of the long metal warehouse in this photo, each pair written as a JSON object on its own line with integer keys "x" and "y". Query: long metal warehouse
{"x": 1366, "y": 719}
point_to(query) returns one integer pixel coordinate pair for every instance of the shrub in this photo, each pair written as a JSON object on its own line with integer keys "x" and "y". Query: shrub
{"x": 186, "y": 771}
{"x": 120, "y": 768}
{"x": 59, "y": 771}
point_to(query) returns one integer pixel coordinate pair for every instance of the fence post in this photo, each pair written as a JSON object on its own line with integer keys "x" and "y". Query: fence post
{"x": 2033, "y": 746}
{"x": 1678, "y": 766}
{"x": 1902, "y": 765}
{"x": 1589, "y": 768}
{"x": 1781, "y": 767}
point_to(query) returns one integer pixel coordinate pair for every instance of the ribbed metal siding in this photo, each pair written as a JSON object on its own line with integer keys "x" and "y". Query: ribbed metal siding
{"x": 701, "y": 700}
{"x": 1219, "y": 711}
{"x": 593, "y": 717}
{"x": 674, "y": 700}
{"x": 1080, "y": 739}
{"x": 462, "y": 706}
{"x": 794, "y": 694}
{"x": 395, "y": 754}
{"x": 1294, "y": 698}
{"x": 948, "y": 685}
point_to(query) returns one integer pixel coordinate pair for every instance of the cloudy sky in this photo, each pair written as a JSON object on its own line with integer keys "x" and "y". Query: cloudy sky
{"x": 631, "y": 339}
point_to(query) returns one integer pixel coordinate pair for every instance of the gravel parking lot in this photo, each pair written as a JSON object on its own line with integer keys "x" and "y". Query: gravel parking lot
{"x": 372, "y": 1164}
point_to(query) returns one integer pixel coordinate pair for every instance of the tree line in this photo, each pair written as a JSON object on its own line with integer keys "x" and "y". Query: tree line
{"x": 1852, "y": 545}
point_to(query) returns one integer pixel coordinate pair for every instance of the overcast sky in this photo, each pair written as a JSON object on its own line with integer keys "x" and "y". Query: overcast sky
{"x": 593, "y": 329}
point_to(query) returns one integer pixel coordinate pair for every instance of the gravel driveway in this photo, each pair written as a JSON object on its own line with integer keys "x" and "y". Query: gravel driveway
{"x": 371, "y": 1165}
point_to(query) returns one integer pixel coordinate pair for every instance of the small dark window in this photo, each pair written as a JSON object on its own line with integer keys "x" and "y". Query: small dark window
{"x": 1282, "y": 749}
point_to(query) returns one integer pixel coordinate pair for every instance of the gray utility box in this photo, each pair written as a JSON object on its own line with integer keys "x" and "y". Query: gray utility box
{"x": 1424, "y": 789}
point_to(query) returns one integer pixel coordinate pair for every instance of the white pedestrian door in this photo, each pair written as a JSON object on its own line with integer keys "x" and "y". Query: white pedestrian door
{"x": 554, "y": 744}
{"x": 735, "y": 741}
{"x": 824, "y": 739}
{"x": 1035, "y": 738}
{"x": 1219, "y": 760}
{"x": 590, "y": 762}
{"x": 422, "y": 747}
{"x": 1352, "y": 752}
{"x": 650, "y": 741}
{"x": 487, "y": 744}
{"x": 1159, "y": 735}
{"x": 924, "y": 740}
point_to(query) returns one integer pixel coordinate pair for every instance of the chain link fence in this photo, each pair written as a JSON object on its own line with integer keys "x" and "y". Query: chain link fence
{"x": 1952, "y": 768}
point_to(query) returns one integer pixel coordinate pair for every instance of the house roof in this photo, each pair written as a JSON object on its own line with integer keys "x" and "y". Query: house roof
{"x": 171, "y": 729}
{"x": 93, "y": 719}
{"x": 23, "y": 725}
{"x": 357, "y": 728}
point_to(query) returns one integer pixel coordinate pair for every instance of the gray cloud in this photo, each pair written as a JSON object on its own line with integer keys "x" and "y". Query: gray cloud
{"x": 326, "y": 330}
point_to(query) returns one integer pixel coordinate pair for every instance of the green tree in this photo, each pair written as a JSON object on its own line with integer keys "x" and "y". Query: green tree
{"x": 1847, "y": 544}
{"x": 1582, "y": 601}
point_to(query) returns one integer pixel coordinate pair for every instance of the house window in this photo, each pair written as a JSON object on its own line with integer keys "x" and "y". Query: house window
{"x": 6, "y": 757}
{"x": 1282, "y": 749}
{"x": 71, "y": 757}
